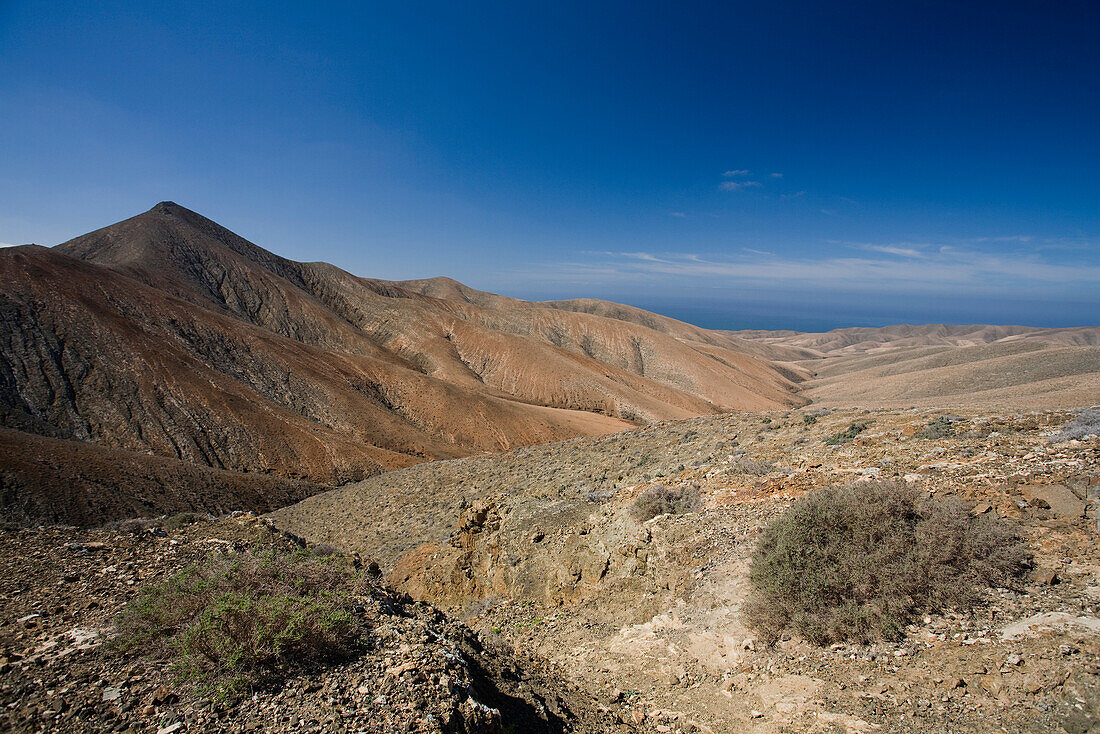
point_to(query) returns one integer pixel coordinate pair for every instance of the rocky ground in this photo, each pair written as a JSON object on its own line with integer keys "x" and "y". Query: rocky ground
{"x": 538, "y": 548}
{"x": 565, "y": 612}
{"x": 419, "y": 671}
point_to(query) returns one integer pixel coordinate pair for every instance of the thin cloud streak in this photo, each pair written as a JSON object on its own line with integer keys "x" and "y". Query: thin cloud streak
{"x": 937, "y": 271}
{"x": 738, "y": 185}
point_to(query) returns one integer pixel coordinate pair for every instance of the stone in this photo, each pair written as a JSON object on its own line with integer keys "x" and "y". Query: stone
{"x": 1045, "y": 576}
{"x": 112, "y": 693}
{"x": 1059, "y": 499}
{"x": 994, "y": 686}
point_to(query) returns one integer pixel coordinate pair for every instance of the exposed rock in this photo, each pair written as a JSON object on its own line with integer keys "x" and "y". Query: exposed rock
{"x": 1057, "y": 498}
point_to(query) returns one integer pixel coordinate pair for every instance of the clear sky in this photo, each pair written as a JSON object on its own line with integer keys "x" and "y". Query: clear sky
{"x": 737, "y": 164}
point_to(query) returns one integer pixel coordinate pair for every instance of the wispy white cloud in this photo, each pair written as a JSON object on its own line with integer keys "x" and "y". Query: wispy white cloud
{"x": 931, "y": 270}
{"x": 901, "y": 249}
{"x": 678, "y": 215}
{"x": 1009, "y": 238}
{"x": 777, "y": 175}
{"x": 738, "y": 185}
{"x": 795, "y": 195}
{"x": 737, "y": 172}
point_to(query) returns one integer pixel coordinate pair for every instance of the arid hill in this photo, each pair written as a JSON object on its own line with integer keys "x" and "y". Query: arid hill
{"x": 866, "y": 339}
{"x": 168, "y": 335}
{"x": 944, "y": 365}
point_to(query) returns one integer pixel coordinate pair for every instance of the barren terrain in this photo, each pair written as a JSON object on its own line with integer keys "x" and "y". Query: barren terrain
{"x": 417, "y": 671}
{"x": 940, "y": 365}
{"x": 480, "y": 459}
{"x": 170, "y": 336}
{"x": 538, "y": 547}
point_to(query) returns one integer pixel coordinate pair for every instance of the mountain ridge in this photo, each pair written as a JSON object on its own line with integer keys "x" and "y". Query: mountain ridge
{"x": 169, "y": 335}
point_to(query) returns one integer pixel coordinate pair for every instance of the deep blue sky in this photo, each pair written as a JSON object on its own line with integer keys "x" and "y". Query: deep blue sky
{"x": 738, "y": 164}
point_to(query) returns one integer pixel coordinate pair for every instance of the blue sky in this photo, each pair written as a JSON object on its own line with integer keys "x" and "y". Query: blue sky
{"x": 737, "y": 164}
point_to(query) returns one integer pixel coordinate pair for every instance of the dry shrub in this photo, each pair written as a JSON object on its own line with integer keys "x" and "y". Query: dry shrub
{"x": 938, "y": 427}
{"x": 847, "y": 435}
{"x": 752, "y": 467}
{"x": 246, "y": 619}
{"x": 1087, "y": 423}
{"x": 662, "y": 500}
{"x": 861, "y": 562}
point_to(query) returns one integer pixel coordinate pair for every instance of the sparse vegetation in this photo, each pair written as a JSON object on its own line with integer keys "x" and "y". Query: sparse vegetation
{"x": 938, "y": 427}
{"x": 845, "y": 436}
{"x": 808, "y": 419}
{"x": 246, "y": 619}
{"x": 861, "y": 562}
{"x": 662, "y": 500}
{"x": 599, "y": 495}
{"x": 183, "y": 519}
{"x": 1087, "y": 423}
{"x": 752, "y": 468}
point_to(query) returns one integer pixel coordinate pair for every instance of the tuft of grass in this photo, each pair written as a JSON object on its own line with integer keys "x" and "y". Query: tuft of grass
{"x": 1087, "y": 423}
{"x": 246, "y": 619}
{"x": 938, "y": 427}
{"x": 662, "y": 500}
{"x": 862, "y": 562}
{"x": 808, "y": 419}
{"x": 847, "y": 435}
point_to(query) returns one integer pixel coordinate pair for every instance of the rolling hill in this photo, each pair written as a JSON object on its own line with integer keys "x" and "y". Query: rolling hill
{"x": 980, "y": 365}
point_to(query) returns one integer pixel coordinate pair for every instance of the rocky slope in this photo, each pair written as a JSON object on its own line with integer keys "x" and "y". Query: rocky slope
{"x": 418, "y": 671}
{"x": 171, "y": 336}
{"x": 539, "y": 547}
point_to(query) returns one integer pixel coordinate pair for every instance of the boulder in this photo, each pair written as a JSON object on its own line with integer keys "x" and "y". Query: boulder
{"x": 1060, "y": 499}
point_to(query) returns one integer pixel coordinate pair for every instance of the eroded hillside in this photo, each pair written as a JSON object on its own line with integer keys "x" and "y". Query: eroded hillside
{"x": 171, "y": 336}
{"x": 540, "y": 547}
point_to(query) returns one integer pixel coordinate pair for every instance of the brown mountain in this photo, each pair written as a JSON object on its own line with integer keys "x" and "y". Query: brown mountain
{"x": 167, "y": 335}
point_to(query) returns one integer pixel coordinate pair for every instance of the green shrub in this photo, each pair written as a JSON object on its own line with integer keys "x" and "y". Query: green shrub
{"x": 862, "y": 562}
{"x": 845, "y": 436}
{"x": 938, "y": 427}
{"x": 246, "y": 619}
{"x": 662, "y": 500}
{"x": 808, "y": 419}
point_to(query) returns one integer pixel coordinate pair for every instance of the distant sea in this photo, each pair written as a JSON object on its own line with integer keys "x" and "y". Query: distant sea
{"x": 801, "y": 314}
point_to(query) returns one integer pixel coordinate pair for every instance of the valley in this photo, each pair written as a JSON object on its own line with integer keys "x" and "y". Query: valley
{"x": 170, "y": 392}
